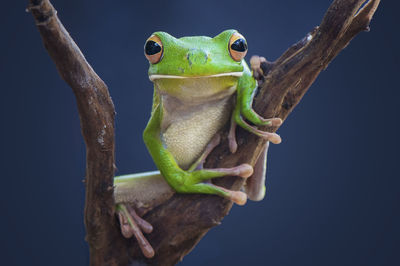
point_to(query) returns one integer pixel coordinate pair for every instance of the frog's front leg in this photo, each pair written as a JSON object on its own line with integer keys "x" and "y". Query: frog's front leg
{"x": 184, "y": 181}
{"x": 244, "y": 111}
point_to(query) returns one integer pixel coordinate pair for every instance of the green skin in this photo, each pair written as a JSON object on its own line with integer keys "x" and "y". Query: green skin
{"x": 175, "y": 62}
{"x": 194, "y": 82}
{"x": 208, "y": 57}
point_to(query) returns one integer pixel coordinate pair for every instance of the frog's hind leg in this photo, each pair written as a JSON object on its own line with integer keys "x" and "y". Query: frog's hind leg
{"x": 144, "y": 190}
{"x": 255, "y": 184}
{"x": 135, "y": 195}
{"x": 132, "y": 225}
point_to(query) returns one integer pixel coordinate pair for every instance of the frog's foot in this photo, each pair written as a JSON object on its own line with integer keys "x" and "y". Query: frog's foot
{"x": 237, "y": 119}
{"x": 194, "y": 182}
{"x": 250, "y": 115}
{"x": 272, "y": 137}
{"x": 255, "y": 65}
{"x": 238, "y": 197}
{"x": 260, "y": 67}
{"x": 133, "y": 225}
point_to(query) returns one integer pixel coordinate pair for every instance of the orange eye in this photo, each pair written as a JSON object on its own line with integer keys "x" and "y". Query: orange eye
{"x": 153, "y": 49}
{"x": 237, "y": 46}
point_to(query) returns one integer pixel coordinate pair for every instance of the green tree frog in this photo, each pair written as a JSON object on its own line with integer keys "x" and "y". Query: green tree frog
{"x": 200, "y": 85}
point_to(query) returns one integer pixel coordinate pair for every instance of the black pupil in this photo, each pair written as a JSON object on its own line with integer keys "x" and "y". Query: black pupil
{"x": 239, "y": 45}
{"x": 152, "y": 47}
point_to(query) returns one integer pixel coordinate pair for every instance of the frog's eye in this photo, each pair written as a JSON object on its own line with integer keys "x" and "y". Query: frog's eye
{"x": 237, "y": 46}
{"x": 153, "y": 49}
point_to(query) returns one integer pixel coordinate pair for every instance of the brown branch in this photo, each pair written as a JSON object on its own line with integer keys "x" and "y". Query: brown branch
{"x": 184, "y": 219}
{"x": 96, "y": 112}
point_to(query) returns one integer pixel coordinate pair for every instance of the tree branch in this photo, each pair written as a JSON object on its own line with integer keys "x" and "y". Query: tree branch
{"x": 183, "y": 220}
{"x": 286, "y": 82}
{"x": 96, "y": 112}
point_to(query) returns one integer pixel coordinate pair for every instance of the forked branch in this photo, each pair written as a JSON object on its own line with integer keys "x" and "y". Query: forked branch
{"x": 183, "y": 220}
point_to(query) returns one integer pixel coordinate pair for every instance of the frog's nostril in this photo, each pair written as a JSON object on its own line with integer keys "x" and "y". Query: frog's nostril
{"x": 188, "y": 59}
{"x": 197, "y": 57}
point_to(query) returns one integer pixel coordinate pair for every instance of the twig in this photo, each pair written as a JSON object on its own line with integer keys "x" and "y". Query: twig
{"x": 183, "y": 220}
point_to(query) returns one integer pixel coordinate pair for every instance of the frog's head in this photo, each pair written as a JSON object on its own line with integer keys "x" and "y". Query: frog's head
{"x": 196, "y": 66}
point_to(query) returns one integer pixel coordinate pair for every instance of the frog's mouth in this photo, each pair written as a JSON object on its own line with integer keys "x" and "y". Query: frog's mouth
{"x": 229, "y": 74}
{"x": 197, "y": 89}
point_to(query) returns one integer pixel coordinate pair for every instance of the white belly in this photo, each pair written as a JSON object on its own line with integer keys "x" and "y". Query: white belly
{"x": 187, "y": 130}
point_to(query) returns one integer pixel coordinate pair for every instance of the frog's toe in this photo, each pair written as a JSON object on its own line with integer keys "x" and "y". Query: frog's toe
{"x": 244, "y": 170}
{"x": 273, "y": 137}
{"x": 255, "y": 65}
{"x": 132, "y": 224}
{"x": 238, "y": 197}
{"x": 232, "y": 144}
{"x": 276, "y": 121}
{"x": 126, "y": 229}
{"x": 232, "y": 137}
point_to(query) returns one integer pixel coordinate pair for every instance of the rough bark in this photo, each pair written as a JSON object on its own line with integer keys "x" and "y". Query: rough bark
{"x": 184, "y": 219}
{"x": 96, "y": 112}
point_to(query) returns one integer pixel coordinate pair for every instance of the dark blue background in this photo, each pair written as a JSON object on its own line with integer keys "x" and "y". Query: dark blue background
{"x": 333, "y": 184}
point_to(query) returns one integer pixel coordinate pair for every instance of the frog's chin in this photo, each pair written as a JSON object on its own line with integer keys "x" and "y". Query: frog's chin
{"x": 197, "y": 90}
{"x": 160, "y": 76}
